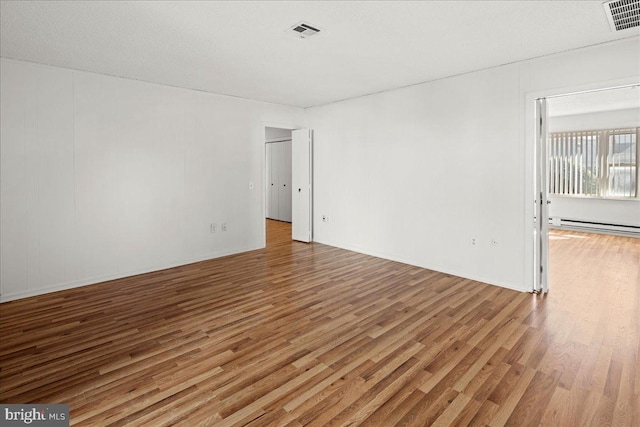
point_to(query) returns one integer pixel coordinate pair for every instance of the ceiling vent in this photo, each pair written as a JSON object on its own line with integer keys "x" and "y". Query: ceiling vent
{"x": 622, "y": 14}
{"x": 303, "y": 30}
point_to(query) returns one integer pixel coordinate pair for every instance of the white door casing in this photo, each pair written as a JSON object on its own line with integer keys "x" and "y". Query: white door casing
{"x": 541, "y": 219}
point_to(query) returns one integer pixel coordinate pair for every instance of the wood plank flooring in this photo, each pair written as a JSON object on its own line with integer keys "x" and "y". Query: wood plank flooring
{"x": 307, "y": 334}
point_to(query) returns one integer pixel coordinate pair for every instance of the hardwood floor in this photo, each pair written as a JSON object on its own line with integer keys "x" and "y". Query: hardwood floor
{"x": 278, "y": 233}
{"x": 307, "y": 334}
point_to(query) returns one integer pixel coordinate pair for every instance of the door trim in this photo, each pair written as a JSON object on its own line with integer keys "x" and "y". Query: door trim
{"x": 541, "y": 219}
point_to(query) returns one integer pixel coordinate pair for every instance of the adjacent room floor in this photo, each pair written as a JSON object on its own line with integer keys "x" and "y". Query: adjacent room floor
{"x": 308, "y": 334}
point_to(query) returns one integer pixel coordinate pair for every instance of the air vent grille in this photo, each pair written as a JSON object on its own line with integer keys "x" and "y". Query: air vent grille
{"x": 623, "y": 14}
{"x": 304, "y": 30}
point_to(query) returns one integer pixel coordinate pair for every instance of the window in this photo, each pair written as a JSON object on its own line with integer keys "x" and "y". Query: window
{"x": 601, "y": 163}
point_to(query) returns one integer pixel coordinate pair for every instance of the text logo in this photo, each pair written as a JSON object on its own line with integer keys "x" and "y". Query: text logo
{"x": 34, "y": 415}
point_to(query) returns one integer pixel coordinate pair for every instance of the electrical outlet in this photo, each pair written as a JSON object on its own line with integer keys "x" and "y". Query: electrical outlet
{"x": 223, "y": 226}
{"x": 474, "y": 241}
{"x": 212, "y": 228}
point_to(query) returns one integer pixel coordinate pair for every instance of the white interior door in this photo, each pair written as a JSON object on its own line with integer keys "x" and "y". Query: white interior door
{"x": 302, "y": 163}
{"x": 541, "y": 219}
{"x": 274, "y": 204}
{"x": 284, "y": 196}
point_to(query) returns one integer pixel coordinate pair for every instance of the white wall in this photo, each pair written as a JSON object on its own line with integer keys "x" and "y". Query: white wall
{"x": 605, "y": 211}
{"x": 414, "y": 174}
{"x": 276, "y": 134}
{"x": 104, "y": 177}
{"x": 629, "y": 117}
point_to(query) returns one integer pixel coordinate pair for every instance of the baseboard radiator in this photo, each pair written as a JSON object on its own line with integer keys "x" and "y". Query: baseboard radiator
{"x": 625, "y": 230}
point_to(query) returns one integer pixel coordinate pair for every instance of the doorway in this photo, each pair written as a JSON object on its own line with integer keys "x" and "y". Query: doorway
{"x": 586, "y": 169}
{"x": 288, "y": 182}
{"x": 278, "y": 176}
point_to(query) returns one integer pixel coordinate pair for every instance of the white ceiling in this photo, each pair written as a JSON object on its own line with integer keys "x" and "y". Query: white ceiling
{"x": 242, "y": 49}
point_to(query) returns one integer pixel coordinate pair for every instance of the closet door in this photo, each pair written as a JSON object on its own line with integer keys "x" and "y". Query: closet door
{"x": 284, "y": 179}
{"x": 274, "y": 151}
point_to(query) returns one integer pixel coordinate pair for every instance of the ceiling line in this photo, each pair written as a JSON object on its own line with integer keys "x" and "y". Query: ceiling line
{"x": 148, "y": 82}
{"x": 338, "y": 100}
{"x": 475, "y": 71}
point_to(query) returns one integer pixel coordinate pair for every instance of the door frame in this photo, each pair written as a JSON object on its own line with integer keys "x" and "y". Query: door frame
{"x": 530, "y": 169}
{"x": 263, "y": 170}
{"x": 541, "y": 210}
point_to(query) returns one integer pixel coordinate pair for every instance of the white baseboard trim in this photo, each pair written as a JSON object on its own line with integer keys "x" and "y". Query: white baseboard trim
{"x": 590, "y": 227}
{"x": 94, "y": 280}
{"x": 413, "y": 263}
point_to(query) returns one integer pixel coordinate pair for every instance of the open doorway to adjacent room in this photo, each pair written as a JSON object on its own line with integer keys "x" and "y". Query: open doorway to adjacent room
{"x": 589, "y": 188}
{"x": 278, "y": 184}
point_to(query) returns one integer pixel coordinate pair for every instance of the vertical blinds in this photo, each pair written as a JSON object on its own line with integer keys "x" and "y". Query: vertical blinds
{"x": 594, "y": 163}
